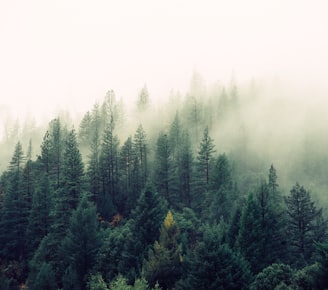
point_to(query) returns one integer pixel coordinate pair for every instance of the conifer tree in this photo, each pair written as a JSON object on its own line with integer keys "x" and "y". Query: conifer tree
{"x": 128, "y": 175}
{"x": 203, "y": 167}
{"x": 163, "y": 264}
{"x": 93, "y": 169}
{"x": 56, "y": 150}
{"x": 73, "y": 171}
{"x": 301, "y": 213}
{"x": 261, "y": 236}
{"x": 214, "y": 265}
{"x": 109, "y": 168}
{"x": 85, "y": 129}
{"x": 82, "y": 241}
{"x": 221, "y": 197}
{"x": 163, "y": 170}
{"x": 39, "y": 220}
{"x": 185, "y": 170}
{"x": 146, "y": 220}
{"x": 14, "y": 215}
{"x": 141, "y": 150}
{"x": 45, "y": 279}
{"x": 175, "y": 135}
{"x": 204, "y": 157}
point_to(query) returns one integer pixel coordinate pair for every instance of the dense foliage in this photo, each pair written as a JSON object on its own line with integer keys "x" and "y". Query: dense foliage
{"x": 164, "y": 208}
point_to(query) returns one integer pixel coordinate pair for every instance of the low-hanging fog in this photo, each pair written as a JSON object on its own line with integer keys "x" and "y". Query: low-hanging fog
{"x": 59, "y": 57}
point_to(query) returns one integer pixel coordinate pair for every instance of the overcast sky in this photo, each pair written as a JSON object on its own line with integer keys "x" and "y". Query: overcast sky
{"x": 68, "y": 53}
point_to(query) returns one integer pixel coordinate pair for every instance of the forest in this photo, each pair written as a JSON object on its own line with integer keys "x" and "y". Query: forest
{"x": 207, "y": 190}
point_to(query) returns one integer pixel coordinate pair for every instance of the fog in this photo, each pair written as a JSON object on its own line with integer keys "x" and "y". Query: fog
{"x": 61, "y": 56}
{"x": 65, "y": 54}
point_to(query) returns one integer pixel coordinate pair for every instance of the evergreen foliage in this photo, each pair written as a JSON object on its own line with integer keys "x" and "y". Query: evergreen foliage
{"x": 163, "y": 264}
{"x": 162, "y": 209}
{"x": 301, "y": 217}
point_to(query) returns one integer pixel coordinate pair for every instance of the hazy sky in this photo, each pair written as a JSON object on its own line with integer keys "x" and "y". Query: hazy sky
{"x": 68, "y": 53}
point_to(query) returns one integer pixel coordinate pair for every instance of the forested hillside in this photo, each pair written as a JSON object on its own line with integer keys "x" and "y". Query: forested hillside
{"x": 203, "y": 191}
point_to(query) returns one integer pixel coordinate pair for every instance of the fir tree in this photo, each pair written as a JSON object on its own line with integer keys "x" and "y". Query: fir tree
{"x": 301, "y": 213}
{"x": 82, "y": 241}
{"x": 163, "y": 264}
{"x": 109, "y": 168}
{"x": 214, "y": 265}
{"x": 14, "y": 216}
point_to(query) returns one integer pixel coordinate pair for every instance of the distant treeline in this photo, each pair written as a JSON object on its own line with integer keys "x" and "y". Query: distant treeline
{"x": 159, "y": 206}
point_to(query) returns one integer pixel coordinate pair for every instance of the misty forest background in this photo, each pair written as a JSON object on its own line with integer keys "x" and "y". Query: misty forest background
{"x": 221, "y": 188}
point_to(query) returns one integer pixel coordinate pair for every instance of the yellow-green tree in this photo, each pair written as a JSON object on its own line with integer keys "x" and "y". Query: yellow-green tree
{"x": 164, "y": 261}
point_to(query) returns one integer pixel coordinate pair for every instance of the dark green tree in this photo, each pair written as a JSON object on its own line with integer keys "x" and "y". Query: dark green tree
{"x": 320, "y": 276}
{"x": 204, "y": 157}
{"x": 57, "y": 137}
{"x": 82, "y": 241}
{"x": 141, "y": 151}
{"x": 164, "y": 169}
{"x": 175, "y": 136}
{"x": 93, "y": 168}
{"x": 73, "y": 171}
{"x": 14, "y": 214}
{"x": 39, "y": 220}
{"x": 185, "y": 170}
{"x": 146, "y": 222}
{"x": 65, "y": 200}
{"x": 261, "y": 237}
{"x": 45, "y": 279}
{"x": 128, "y": 175}
{"x": 302, "y": 214}
{"x": 46, "y": 152}
{"x": 109, "y": 262}
{"x": 109, "y": 160}
{"x": 276, "y": 275}
{"x": 214, "y": 265}
{"x": 203, "y": 167}
{"x": 221, "y": 197}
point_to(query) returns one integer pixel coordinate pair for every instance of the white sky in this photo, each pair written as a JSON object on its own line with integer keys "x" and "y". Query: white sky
{"x": 68, "y": 53}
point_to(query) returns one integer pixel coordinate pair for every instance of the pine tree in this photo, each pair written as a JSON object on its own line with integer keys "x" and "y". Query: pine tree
{"x": 39, "y": 220}
{"x": 301, "y": 213}
{"x": 46, "y": 148}
{"x": 110, "y": 260}
{"x": 163, "y": 170}
{"x": 28, "y": 174}
{"x": 73, "y": 170}
{"x": 203, "y": 166}
{"x": 146, "y": 220}
{"x": 85, "y": 129}
{"x": 214, "y": 265}
{"x": 45, "y": 279}
{"x": 109, "y": 168}
{"x": 56, "y": 151}
{"x": 164, "y": 259}
{"x": 175, "y": 135}
{"x": 93, "y": 169}
{"x": 141, "y": 150}
{"x": 68, "y": 195}
{"x": 221, "y": 197}
{"x": 204, "y": 157}
{"x": 127, "y": 167}
{"x": 52, "y": 152}
{"x": 14, "y": 216}
{"x": 261, "y": 237}
{"x": 82, "y": 241}
{"x": 185, "y": 170}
